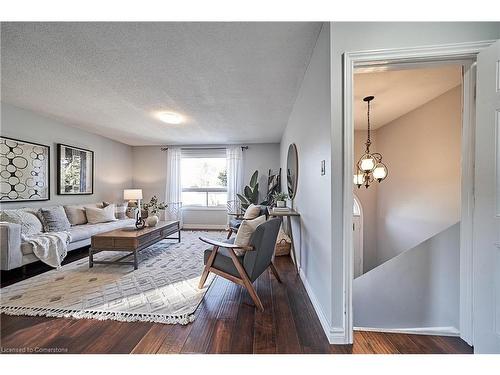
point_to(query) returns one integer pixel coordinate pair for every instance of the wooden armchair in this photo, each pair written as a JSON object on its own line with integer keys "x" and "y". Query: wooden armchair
{"x": 245, "y": 269}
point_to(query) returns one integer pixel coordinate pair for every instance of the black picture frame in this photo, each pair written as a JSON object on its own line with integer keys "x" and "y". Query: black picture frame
{"x": 61, "y": 189}
{"x": 4, "y": 198}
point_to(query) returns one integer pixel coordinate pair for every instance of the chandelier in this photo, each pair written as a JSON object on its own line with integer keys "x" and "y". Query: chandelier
{"x": 369, "y": 167}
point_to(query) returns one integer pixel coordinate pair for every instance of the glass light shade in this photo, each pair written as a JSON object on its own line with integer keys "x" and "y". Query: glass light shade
{"x": 380, "y": 172}
{"x": 132, "y": 194}
{"x": 358, "y": 179}
{"x": 367, "y": 163}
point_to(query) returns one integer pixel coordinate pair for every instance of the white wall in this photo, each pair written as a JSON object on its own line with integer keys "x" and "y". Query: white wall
{"x": 421, "y": 195}
{"x": 416, "y": 289}
{"x": 112, "y": 160}
{"x": 309, "y": 128}
{"x": 355, "y": 36}
{"x": 150, "y": 174}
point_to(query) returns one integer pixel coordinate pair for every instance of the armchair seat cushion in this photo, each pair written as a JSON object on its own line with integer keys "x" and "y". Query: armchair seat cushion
{"x": 235, "y": 223}
{"x": 223, "y": 260}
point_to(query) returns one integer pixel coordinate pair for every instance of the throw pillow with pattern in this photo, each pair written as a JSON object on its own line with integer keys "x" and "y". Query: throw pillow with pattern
{"x": 29, "y": 221}
{"x": 54, "y": 219}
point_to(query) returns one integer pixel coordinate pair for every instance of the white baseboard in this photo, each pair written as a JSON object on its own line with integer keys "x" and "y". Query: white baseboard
{"x": 335, "y": 335}
{"x": 436, "y": 331}
{"x": 204, "y": 226}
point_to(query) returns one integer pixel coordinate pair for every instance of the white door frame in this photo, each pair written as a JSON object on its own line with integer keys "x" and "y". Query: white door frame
{"x": 361, "y": 244}
{"x": 462, "y": 53}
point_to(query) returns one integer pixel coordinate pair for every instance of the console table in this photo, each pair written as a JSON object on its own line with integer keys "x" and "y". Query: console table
{"x": 288, "y": 214}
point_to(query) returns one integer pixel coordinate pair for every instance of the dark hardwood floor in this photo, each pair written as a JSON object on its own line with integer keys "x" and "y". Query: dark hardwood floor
{"x": 227, "y": 322}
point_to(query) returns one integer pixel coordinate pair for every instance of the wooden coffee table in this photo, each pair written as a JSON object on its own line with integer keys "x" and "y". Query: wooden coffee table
{"x": 132, "y": 241}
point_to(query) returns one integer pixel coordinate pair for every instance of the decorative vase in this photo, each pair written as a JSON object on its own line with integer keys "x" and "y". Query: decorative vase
{"x": 280, "y": 204}
{"x": 152, "y": 220}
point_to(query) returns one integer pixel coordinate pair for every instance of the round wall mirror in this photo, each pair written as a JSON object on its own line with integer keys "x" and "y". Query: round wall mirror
{"x": 292, "y": 166}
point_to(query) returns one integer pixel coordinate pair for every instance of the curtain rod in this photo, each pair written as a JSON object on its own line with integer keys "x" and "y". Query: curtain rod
{"x": 205, "y": 148}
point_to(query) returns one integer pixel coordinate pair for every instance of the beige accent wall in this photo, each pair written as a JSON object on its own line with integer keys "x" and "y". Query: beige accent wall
{"x": 421, "y": 195}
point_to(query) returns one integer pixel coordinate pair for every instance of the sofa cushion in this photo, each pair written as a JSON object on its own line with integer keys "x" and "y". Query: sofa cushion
{"x": 54, "y": 219}
{"x": 100, "y": 215}
{"x": 83, "y": 232}
{"x": 76, "y": 214}
{"x": 27, "y": 218}
{"x": 120, "y": 209}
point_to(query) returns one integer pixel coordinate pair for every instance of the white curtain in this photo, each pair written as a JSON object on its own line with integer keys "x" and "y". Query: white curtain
{"x": 234, "y": 158}
{"x": 174, "y": 188}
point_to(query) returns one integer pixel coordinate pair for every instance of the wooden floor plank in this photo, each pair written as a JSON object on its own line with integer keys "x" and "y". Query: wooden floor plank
{"x": 226, "y": 322}
{"x": 309, "y": 331}
{"x": 198, "y": 340}
{"x": 264, "y": 339}
{"x": 287, "y": 340}
{"x": 175, "y": 339}
{"x": 242, "y": 342}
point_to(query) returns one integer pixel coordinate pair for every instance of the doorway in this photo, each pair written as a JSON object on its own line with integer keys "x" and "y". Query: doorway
{"x": 411, "y": 217}
{"x": 464, "y": 54}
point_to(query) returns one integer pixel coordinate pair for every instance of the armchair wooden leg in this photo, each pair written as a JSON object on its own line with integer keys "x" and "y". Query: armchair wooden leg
{"x": 229, "y": 233}
{"x": 206, "y": 270}
{"x": 253, "y": 294}
{"x": 246, "y": 281}
{"x": 275, "y": 272}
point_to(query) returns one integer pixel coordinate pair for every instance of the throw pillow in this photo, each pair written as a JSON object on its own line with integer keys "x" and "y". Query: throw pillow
{"x": 120, "y": 209}
{"x": 245, "y": 232}
{"x": 100, "y": 215}
{"x": 30, "y": 223}
{"x": 252, "y": 212}
{"x": 76, "y": 214}
{"x": 54, "y": 219}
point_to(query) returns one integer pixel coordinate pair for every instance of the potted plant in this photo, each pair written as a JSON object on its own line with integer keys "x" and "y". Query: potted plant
{"x": 153, "y": 207}
{"x": 280, "y": 199}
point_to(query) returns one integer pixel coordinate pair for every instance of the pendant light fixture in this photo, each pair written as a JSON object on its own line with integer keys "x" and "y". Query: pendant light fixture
{"x": 369, "y": 167}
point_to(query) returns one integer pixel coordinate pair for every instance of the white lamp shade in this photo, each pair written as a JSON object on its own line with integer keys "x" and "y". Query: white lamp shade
{"x": 367, "y": 164}
{"x": 380, "y": 172}
{"x": 359, "y": 179}
{"x": 132, "y": 194}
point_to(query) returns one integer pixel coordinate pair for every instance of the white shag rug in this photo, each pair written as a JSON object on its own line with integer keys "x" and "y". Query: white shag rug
{"x": 164, "y": 289}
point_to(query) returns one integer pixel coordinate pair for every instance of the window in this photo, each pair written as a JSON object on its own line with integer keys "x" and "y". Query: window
{"x": 204, "y": 177}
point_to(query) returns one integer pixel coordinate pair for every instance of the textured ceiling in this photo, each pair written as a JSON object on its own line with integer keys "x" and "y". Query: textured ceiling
{"x": 233, "y": 82}
{"x": 400, "y": 91}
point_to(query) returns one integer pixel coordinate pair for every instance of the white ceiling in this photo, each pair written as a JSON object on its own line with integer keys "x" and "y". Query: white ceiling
{"x": 234, "y": 82}
{"x": 400, "y": 91}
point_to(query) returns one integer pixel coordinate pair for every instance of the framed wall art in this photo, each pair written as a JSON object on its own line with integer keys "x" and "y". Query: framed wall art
{"x": 75, "y": 170}
{"x": 24, "y": 171}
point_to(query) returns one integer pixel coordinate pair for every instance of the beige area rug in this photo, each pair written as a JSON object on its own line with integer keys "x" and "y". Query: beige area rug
{"x": 164, "y": 289}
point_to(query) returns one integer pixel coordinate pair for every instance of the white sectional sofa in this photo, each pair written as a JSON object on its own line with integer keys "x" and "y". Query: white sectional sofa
{"x": 16, "y": 253}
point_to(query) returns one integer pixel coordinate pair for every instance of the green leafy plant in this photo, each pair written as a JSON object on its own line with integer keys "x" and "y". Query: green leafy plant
{"x": 251, "y": 192}
{"x": 273, "y": 186}
{"x": 280, "y": 197}
{"x": 222, "y": 177}
{"x": 154, "y": 206}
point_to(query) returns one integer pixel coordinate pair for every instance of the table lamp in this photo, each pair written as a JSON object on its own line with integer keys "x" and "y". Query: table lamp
{"x": 135, "y": 195}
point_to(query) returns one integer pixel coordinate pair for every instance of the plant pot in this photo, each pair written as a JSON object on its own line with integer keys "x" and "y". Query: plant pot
{"x": 152, "y": 220}
{"x": 280, "y": 204}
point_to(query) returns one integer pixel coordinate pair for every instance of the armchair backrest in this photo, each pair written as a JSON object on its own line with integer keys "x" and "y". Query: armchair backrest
{"x": 264, "y": 241}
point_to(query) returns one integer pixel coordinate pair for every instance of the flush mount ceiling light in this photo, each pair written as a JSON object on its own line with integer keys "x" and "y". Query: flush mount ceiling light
{"x": 170, "y": 117}
{"x": 370, "y": 166}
